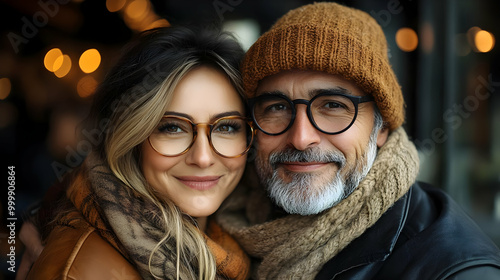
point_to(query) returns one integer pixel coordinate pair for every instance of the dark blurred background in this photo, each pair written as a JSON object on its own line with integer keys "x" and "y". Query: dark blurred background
{"x": 53, "y": 53}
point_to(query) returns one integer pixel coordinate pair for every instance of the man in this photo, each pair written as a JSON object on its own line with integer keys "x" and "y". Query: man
{"x": 333, "y": 158}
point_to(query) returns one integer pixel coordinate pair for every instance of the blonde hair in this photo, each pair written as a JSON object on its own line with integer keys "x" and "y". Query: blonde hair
{"x": 133, "y": 117}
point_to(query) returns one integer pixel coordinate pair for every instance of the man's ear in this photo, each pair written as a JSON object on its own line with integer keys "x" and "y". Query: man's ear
{"x": 382, "y": 136}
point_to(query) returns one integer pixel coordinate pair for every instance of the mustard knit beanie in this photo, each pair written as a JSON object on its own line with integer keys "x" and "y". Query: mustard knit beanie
{"x": 331, "y": 38}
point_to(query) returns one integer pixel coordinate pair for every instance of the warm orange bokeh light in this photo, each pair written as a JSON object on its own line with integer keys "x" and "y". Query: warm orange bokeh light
{"x": 407, "y": 39}
{"x": 51, "y": 58}
{"x": 471, "y": 34}
{"x": 65, "y": 66}
{"x": 426, "y": 37}
{"x": 86, "y": 86}
{"x": 5, "y": 87}
{"x": 115, "y": 5}
{"x": 157, "y": 23}
{"x": 137, "y": 9}
{"x": 90, "y": 60}
{"x": 484, "y": 41}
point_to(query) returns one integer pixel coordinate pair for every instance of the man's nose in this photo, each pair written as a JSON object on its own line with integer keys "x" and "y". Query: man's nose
{"x": 201, "y": 153}
{"x": 303, "y": 134}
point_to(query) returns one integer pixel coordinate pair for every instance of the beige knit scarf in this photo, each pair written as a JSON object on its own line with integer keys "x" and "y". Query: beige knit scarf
{"x": 297, "y": 246}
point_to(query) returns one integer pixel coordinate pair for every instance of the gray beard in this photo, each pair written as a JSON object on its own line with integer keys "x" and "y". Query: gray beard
{"x": 309, "y": 194}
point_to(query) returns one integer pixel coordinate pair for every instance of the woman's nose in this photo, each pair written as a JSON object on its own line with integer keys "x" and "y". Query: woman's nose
{"x": 201, "y": 153}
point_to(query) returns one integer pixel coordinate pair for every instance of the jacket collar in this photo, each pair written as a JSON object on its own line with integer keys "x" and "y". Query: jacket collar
{"x": 377, "y": 243}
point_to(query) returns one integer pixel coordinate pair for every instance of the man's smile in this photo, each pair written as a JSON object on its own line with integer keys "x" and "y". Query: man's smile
{"x": 303, "y": 166}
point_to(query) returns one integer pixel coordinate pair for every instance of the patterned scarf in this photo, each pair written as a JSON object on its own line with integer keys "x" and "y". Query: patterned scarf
{"x": 295, "y": 246}
{"x": 132, "y": 225}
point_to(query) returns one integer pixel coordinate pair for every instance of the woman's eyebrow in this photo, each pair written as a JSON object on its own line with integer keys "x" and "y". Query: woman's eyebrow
{"x": 178, "y": 114}
{"x": 212, "y": 117}
{"x": 225, "y": 114}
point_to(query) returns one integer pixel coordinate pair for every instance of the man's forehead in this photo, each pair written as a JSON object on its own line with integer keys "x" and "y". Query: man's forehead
{"x": 290, "y": 82}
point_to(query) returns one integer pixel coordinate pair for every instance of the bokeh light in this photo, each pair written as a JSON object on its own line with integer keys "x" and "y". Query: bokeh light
{"x": 86, "y": 86}
{"x": 406, "y": 39}
{"x": 484, "y": 41}
{"x": 471, "y": 34}
{"x": 157, "y": 23}
{"x": 65, "y": 66}
{"x": 139, "y": 15}
{"x": 426, "y": 37}
{"x": 5, "y": 87}
{"x": 137, "y": 9}
{"x": 115, "y": 5}
{"x": 53, "y": 56}
{"x": 90, "y": 60}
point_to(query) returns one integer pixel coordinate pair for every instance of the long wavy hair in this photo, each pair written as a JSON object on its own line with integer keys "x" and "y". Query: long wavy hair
{"x": 130, "y": 103}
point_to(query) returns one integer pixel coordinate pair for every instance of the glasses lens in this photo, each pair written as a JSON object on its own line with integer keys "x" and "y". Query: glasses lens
{"x": 172, "y": 136}
{"x": 333, "y": 113}
{"x": 231, "y": 136}
{"x": 272, "y": 113}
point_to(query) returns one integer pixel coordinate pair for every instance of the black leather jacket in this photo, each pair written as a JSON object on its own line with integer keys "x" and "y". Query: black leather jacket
{"x": 425, "y": 235}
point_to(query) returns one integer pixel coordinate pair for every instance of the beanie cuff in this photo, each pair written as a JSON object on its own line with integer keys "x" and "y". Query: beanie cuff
{"x": 309, "y": 47}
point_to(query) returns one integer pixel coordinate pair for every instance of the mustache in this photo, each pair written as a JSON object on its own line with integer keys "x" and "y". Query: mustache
{"x": 309, "y": 155}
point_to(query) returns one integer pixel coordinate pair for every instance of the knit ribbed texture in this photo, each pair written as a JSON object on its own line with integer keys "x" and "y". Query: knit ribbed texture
{"x": 298, "y": 246}
{"x": 331, "y": 38}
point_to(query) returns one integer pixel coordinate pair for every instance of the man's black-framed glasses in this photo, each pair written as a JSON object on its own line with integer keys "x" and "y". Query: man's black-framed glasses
{"x": 329, "y": 112}
{"x": 229, "y": 136}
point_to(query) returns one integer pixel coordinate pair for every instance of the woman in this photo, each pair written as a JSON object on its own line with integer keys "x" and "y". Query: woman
{"x": 171, "y": 138}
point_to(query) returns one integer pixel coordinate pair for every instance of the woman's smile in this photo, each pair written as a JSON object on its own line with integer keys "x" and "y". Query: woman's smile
{"x": 200, "y": 183}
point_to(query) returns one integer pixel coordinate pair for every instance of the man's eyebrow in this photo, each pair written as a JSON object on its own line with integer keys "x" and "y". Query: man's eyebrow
{"x": 274, "y": 92}
{"x": 312, "y": 93}
{"x": 335, "y": 90}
